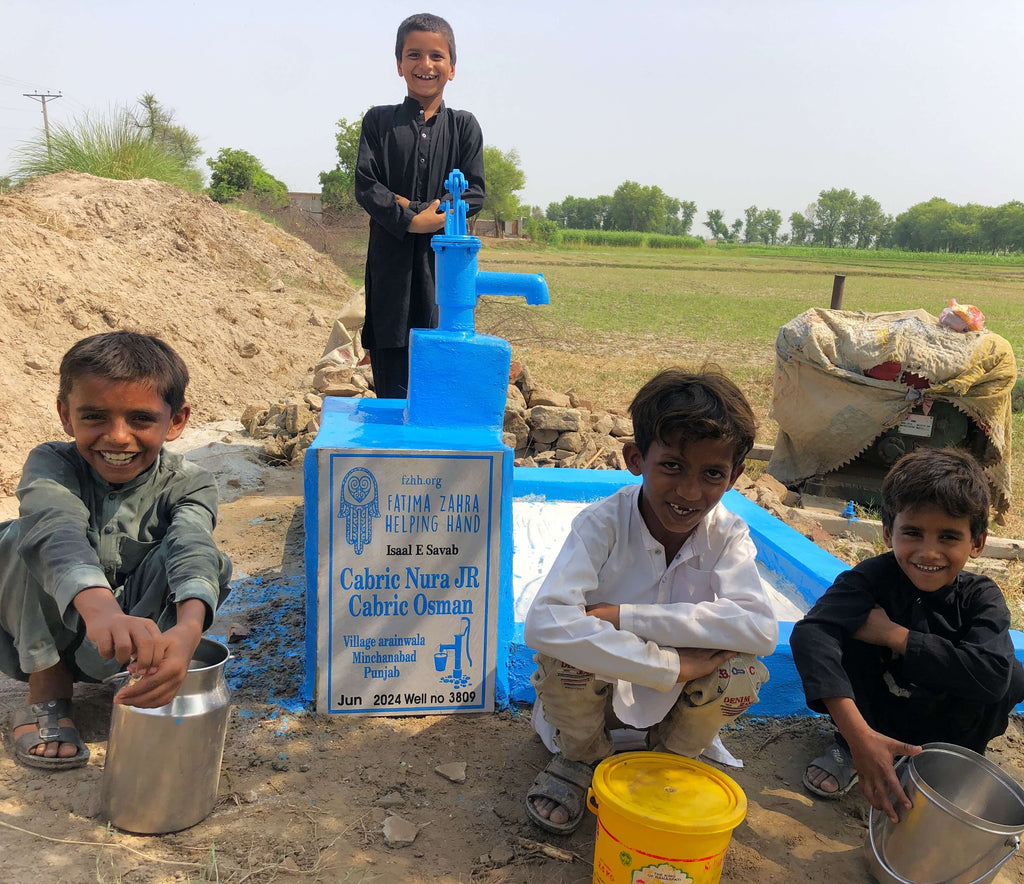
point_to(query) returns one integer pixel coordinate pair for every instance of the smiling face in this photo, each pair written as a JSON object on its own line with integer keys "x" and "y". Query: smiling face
{"x": 426, "y": 67}
{"x": 931, "y": 546}
{"x": 681, "y": 486}
{"x": 119, "y": 427}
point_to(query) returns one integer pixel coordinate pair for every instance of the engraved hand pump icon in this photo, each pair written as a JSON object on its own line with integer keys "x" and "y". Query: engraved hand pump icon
{"x": 459, "y": 645}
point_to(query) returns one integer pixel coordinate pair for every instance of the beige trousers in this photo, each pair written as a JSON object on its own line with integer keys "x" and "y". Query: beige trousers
{"x": 578, "y": 705}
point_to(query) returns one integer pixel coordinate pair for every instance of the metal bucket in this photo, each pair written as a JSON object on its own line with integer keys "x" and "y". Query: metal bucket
{"x": 163, "y": 765}
{"x": 965, "y": 823}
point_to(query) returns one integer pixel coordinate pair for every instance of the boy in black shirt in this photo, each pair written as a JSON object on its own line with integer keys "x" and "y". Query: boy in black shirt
{"x": 406, "y": 152}
{"x": 907, "y": 648}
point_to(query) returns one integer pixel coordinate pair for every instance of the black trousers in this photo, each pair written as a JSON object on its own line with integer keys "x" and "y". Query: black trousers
{"x": 390, "y": 367}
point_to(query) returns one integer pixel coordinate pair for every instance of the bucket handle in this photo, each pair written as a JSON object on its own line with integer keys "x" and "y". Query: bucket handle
{"x": 591, "y": 800}
{"x": 1013, "y": 843}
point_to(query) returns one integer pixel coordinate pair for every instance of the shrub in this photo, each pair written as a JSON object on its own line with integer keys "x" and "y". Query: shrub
{"x": 108, "y": 147}
{"x": 542, "y": 230}
{"x": 235, "y": 172}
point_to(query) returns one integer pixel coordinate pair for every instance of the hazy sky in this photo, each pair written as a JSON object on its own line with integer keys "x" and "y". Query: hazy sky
{"x": 728, "y": 104}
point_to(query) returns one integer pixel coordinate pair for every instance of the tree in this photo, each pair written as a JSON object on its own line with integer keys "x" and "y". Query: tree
{"x": 1001, "y": 228}
{"x": 885, "y": 238}
{"x": 580, "y": 213}
{"x": 504, "y": 179}
{"x": 770, "y": 221}
{"x": 633, "y": 206}
{"x": 800, "y": 228}
{"x": 735, "y": 228}
{"x": 941, "y": 226}
{"x": 836, "y": 213}
{"x": 715, "y": 224}
{"x": 923, "y": 227}
{"x": 157, "y": 122}
{"x": 752, "y": 226}
{"x": 236, "y": 172}
{"x": 648, "y": 209}
{"x": 839, "y": 219}
{"x": 761, "y": 225}
{"x": 554, "y": 213}
{"x": 636, "y": 207}
{"x": 687, "y": 212}
{"x": 337, "y": 184}
{"x": 593, "y": 212}
{"x": 870, "y": 222}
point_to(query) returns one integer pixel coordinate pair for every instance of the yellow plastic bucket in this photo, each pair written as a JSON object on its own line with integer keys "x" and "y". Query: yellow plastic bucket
{"x": 662, "y": 819}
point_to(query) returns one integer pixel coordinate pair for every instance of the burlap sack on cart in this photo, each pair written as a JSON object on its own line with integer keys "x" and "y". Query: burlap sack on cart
{"x": 829, "y": 412}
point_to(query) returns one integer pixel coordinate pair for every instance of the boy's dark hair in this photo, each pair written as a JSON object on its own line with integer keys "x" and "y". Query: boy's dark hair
{"x": 126, "y": 356}
{"x": 948, "y": 478}
{"x": 676, "y": 404}
{"x": 424, "y": 21}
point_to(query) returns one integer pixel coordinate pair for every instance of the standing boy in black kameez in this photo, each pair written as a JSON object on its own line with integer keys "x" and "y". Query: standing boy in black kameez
{"x": 907, "y": 647}
{"x": 406, "y": 152}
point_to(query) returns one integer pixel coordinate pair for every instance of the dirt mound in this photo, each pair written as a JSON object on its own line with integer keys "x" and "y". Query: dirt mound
{"x": 247, "y": 306}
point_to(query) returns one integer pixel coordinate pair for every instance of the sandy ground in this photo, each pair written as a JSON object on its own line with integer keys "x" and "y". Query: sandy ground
{"x": 305, "y": 797}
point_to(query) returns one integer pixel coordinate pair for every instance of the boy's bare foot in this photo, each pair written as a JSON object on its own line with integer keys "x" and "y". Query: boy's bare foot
{"x": 551, "y": 811}
{"x": 51, "y": 749}
{"x": 822, "y": 779}
{"x": 54, "y": 683}
{"x": 557, "y": 799}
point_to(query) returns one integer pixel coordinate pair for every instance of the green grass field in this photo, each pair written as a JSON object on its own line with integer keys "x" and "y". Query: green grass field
{"x": 618, "y": 315}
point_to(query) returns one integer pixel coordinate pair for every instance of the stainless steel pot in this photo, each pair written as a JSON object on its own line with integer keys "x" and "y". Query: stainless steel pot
{"x": 163, "y": 765}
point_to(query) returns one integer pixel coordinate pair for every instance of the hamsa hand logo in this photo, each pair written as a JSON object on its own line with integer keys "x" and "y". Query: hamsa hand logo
{"x": 359, "y": 507}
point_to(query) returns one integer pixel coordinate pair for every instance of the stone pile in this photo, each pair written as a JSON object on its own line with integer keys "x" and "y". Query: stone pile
{"x": 546, "y": 428}
{"x": 289, "y": 426}
{"x": 551, "y": 429}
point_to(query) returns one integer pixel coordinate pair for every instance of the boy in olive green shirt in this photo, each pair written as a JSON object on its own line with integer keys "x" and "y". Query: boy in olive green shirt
{"x": 111, "y": 563}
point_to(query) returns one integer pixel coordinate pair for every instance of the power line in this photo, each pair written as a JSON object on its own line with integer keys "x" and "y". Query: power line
{"x": 11, "y": 81}
{"x": 43, "y": 97}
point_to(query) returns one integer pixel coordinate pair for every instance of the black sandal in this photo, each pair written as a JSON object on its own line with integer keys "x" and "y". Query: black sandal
{"x": 837, "y": 762}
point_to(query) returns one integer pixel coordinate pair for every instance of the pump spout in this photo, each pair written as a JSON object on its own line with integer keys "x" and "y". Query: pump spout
{"x": 531, "y": 286}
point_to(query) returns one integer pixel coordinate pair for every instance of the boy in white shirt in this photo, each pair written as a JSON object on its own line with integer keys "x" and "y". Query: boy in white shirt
{"x": 653, "y": 614}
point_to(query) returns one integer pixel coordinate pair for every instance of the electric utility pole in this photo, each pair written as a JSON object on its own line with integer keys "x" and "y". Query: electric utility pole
{"x": 43, "y": 98}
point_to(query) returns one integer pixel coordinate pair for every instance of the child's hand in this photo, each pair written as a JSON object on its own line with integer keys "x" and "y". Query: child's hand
{"x": 698, "y": 662}
{"x": 115, "y": 633}
{"x": 879, "y": 630}
{"x": 874, "y": 756}
{"x": 159, "y": 683}
{"x": 428, "y": 220}
{"x": 606, "y": 612}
